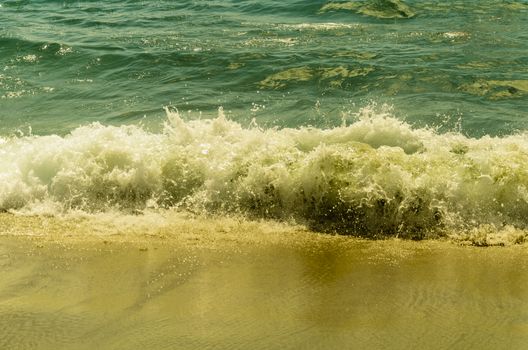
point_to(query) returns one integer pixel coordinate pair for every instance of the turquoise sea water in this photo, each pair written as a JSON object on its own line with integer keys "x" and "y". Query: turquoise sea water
{"x": 366, "y": 117}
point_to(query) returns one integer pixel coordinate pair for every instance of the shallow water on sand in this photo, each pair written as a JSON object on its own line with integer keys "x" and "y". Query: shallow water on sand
{"x": 287, "y": 291}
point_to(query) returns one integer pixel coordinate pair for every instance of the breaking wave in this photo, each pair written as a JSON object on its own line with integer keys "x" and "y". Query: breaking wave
{"x": 377, "y": 176}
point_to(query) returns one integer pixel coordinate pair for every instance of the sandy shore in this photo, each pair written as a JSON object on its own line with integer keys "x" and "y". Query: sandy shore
{"x": 224, "y": 287}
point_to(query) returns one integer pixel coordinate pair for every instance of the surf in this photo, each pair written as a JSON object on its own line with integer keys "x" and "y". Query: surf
{"x": 376, "y": 176}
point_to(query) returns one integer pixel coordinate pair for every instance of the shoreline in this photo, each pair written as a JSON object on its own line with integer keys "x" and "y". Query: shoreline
{"x": 187, "y": 228}
{"x": 228, "y": 289}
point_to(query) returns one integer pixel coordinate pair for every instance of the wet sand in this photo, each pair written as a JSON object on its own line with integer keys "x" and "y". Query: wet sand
{"x": 291, "y": 291}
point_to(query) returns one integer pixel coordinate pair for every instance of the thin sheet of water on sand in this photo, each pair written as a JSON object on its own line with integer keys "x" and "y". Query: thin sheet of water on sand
{"x": 287, "y": 290}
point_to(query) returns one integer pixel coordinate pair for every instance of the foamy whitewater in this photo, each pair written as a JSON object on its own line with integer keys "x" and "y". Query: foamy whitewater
{"x": 377, "y": 176}
{"x": 370, "y": 118}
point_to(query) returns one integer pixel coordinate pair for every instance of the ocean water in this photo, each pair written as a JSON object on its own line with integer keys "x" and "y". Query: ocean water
{"x": 369, "y": 118}
{"x": 187, "y": 174}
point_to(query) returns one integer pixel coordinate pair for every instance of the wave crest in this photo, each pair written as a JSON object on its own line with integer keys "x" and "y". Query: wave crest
{"x": 376, "y": 176}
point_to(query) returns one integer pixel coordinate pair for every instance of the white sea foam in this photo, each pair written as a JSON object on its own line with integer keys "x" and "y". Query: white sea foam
{"x": 378, "y": 175}
{"x": 320, "y": 26}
